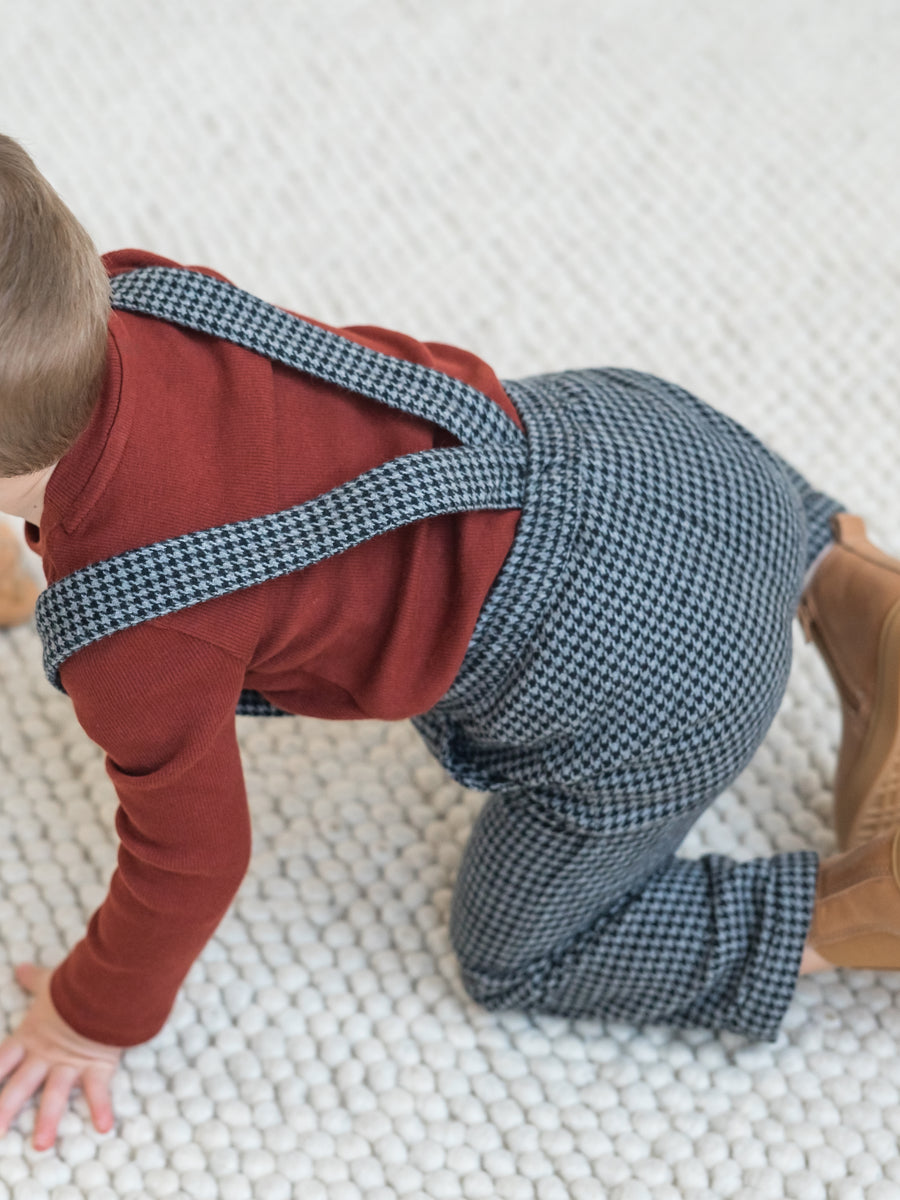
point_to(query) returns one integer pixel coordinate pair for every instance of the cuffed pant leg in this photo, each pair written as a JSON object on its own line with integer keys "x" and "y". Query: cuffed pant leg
{"x": 611, "y": 925}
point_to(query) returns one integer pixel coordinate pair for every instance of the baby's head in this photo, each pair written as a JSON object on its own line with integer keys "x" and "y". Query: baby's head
{"x": 54, "y": 308}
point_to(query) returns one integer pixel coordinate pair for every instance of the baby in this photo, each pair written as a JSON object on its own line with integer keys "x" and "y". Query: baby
{"x": 579, "y": 586}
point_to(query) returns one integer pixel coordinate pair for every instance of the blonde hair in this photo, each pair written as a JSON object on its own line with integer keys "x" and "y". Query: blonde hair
{"x": 54, "y": 308}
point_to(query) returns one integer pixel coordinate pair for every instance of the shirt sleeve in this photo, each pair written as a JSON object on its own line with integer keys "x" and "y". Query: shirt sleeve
{"x": 161, "y": 703}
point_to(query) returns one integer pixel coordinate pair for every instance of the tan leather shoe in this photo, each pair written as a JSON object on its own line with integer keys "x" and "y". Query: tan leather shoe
{"x": 851, "y": 610}
{"x": 18, "y": 591}
{"x": 856, "y": 920}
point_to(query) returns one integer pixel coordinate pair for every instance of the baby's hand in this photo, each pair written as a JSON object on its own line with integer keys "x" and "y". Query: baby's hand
{"x": 45, "y": 1050}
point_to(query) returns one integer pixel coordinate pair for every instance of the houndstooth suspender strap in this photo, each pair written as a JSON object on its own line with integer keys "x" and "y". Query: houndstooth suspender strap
{"x": 212, "y": 306}
{"x": 486, "y": 472}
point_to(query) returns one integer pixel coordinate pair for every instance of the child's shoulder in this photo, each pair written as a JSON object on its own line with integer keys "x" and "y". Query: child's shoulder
{"x": 118, "y": 262}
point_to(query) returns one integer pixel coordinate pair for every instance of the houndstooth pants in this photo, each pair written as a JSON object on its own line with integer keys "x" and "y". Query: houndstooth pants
{"x": 628, "y": 663}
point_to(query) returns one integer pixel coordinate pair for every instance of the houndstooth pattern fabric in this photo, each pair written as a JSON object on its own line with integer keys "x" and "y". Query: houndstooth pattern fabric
{"x": 627, "y": 664}
{"x": 629, "y": 661}
{"x": 177, "y": 573}
{"x": 213, "y": 306}
{"x": 665, "y": 577}
{"x": 152, "y": 581}
{"x": 609, "y": 923}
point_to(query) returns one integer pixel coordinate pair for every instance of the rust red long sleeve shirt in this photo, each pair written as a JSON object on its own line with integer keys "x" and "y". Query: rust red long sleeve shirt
{"x": 192, "y": 432}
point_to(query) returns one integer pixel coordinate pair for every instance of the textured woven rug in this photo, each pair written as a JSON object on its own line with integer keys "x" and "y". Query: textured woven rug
{"x": 705, "y": 189}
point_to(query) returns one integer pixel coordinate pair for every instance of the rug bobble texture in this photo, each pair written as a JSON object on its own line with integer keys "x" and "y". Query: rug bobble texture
{"x": 703, "y": 189}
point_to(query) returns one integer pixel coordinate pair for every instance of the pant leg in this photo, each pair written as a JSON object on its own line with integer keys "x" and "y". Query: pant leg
{"x": 553, "y": 917}
{"x": 654, "y": 669}
{"x": 609, "y": 924}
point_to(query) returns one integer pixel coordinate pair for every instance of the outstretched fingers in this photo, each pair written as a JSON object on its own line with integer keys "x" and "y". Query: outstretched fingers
{"x": 11, "y": 1054}
{"x": 58, "y": 1083}
{"x": 54, "y": 1101}
{"x": 19, "y": 1089}
{"x": 95, "y": 1085}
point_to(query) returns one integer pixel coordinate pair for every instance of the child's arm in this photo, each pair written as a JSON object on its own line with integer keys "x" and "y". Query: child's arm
{"x": 184, "y": 834}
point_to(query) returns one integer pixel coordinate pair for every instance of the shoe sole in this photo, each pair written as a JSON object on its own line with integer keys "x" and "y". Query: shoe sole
{"x": 872, "y": 787}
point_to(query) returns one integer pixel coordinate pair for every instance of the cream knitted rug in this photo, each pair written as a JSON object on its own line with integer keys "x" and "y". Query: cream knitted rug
{"x": 706, "y": 189}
